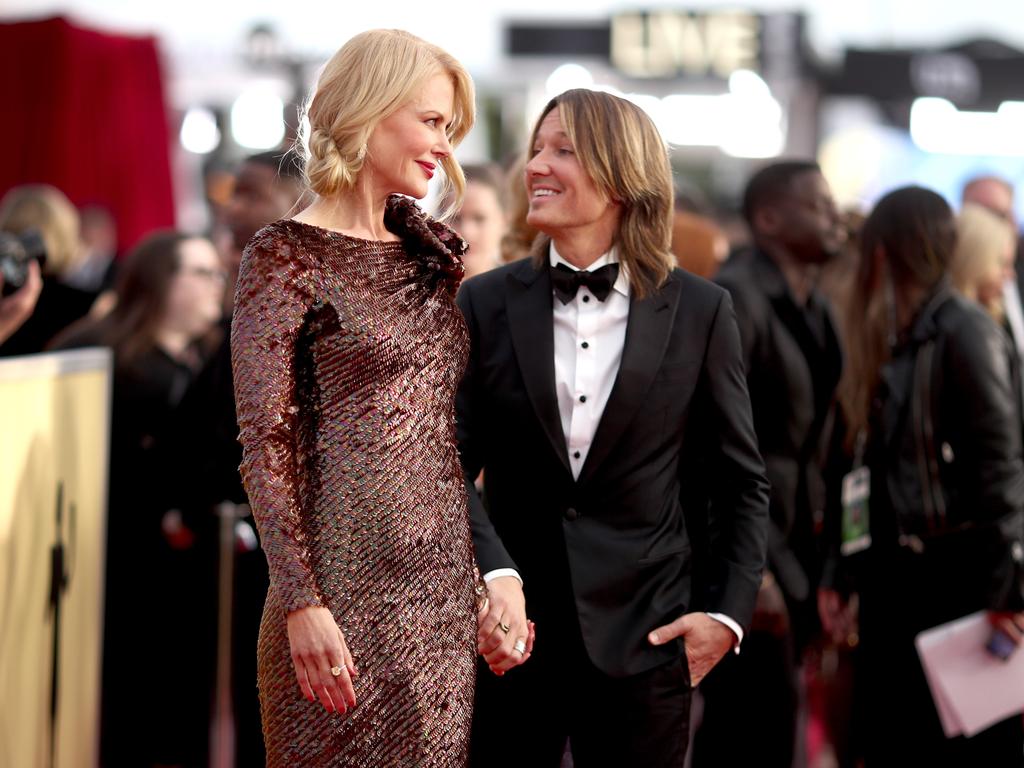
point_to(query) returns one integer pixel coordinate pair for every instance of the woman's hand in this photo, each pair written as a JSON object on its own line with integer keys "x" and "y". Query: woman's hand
{"x": 318, "y": 651}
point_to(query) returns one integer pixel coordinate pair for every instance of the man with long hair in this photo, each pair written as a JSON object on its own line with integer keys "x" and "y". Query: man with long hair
{"x": 605, "y": 401}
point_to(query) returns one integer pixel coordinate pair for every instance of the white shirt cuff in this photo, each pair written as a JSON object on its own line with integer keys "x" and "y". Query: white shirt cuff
{"x": 497, "y": 573}
{"x": 736, "y": 628}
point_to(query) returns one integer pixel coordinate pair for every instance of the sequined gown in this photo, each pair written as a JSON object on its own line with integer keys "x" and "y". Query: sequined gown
{"x": 346, "y": 356}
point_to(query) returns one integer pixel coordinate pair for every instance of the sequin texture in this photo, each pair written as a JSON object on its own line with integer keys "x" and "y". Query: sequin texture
{"x": 347, "y": 354}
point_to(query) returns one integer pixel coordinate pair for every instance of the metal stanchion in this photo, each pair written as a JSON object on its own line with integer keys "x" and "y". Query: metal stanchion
{"x": 222, "y": 727}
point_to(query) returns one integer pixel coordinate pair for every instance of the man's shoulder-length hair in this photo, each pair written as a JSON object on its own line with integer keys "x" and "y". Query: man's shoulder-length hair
{"x": 621, "y": 150}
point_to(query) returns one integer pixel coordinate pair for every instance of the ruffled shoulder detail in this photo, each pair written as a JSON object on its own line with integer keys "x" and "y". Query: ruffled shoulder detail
{"x": 437, "y": 245}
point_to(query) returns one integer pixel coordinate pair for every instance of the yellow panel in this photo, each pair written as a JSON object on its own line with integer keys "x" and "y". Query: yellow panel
{"x": 55, "y": 412}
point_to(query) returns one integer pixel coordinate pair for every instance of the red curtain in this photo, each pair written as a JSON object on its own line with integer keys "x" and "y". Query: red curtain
{"x": 85, "y": 111}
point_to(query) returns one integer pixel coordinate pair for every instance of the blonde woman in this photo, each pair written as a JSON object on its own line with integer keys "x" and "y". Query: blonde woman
{"x": 983, "y": 259}
{"x": 347, "y": 347}
{"x": 606, "y": 403}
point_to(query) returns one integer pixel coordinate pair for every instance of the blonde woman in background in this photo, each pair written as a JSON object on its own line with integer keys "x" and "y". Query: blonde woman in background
{"x": 347, "y": 347}
{"x": 481, "y": 220}
{"x": 983, "y": 259}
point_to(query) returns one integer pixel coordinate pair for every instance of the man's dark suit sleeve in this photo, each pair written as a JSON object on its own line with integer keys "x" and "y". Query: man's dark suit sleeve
{"x": 738, "y": 515}
{"x": 490, "y": 552}
{"x": 746, "y": 320}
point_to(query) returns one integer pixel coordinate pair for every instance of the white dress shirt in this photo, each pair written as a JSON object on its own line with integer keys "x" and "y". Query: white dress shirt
{"x": 589, "y": 338}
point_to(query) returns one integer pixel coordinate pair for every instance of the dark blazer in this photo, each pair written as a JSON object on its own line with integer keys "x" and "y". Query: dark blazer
{"x": 673, "y": 478}
{"x": 792, "y": 373}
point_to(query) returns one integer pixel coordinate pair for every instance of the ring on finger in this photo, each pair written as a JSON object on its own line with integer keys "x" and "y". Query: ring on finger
{"x": 336, "y": 671}
{"x": 504, "y": 627}
{"x": 520, "y": 646}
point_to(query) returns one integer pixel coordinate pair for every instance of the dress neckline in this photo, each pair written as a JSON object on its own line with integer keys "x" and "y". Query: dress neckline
{"x": 343, "y": 235}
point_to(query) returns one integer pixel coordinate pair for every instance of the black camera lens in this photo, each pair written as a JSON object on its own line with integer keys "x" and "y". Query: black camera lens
{"x": 16, "y": 253}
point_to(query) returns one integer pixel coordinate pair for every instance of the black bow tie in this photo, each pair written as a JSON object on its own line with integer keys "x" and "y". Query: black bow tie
{"x": 567, "y": 281}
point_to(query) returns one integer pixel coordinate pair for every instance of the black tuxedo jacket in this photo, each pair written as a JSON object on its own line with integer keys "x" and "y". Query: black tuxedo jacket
{"x": 672, "y": 498}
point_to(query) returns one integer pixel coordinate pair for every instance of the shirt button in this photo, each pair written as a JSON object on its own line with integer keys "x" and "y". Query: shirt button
{"x": 583, "y": 398}
{"x": 571, "y": 514}
{"x": 586, "y": 298}
{"x": 576, "y": 455}
{"x": 585, "y": 345}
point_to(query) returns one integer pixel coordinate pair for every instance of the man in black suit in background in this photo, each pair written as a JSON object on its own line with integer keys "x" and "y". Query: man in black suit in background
{"x": 793, "y": 361}
{"x": 606, "y": 404}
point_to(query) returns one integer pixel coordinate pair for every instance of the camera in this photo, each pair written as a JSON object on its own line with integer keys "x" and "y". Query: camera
{"x": 16, "y": 253}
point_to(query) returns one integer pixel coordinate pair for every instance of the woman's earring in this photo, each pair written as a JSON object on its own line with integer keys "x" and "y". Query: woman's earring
{"x": 361, "y": 153}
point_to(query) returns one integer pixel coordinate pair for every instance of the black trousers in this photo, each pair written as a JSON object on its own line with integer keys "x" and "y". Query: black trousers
{"x": 525, "y": 717}
{"x": 750, "y": 707}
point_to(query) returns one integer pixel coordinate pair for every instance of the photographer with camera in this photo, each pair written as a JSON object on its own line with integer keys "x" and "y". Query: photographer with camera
{"x": 39, "y": 224}
{"x": 17, "y": 307}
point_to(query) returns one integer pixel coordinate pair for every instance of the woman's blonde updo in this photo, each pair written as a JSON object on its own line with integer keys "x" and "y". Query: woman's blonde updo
{"x": 369, "y": 78}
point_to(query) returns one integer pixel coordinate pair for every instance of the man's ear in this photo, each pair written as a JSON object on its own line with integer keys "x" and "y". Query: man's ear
{"x": 767, "y": 220}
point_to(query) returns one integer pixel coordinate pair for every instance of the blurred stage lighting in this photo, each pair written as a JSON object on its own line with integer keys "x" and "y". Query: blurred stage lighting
{"x": 566, "y": 77}
{"x": 257, "y": 118}
{"x": 199, "y": 131}
{"x": 746, "y": 122}
{"x": 937, "y": 126}
{"x": 748, "y": 84}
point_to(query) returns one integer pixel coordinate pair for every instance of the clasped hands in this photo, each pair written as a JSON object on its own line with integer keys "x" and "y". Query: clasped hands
{"x": 504, "y": 635}
{"x": 706, "y": 639}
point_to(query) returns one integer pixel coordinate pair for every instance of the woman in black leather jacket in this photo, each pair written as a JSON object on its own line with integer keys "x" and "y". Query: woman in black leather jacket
{"x": 931, "y": 410}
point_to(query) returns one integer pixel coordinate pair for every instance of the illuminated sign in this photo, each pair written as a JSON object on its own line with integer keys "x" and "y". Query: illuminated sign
{"x": 672, "y": 43}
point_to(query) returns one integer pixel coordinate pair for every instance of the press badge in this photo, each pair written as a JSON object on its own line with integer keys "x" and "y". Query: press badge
{"x": 856, "y": 518}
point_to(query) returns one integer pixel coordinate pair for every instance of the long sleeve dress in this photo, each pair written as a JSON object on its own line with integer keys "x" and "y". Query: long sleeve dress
{"x": 346, "y": 357}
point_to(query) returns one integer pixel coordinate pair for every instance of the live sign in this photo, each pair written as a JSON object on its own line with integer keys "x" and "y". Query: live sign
{"x": 670, "y": 43}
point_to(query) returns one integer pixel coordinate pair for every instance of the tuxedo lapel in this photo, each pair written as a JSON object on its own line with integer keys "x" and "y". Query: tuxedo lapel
{"x": 528, "y": 303}
{"x": 647, "y": 334}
